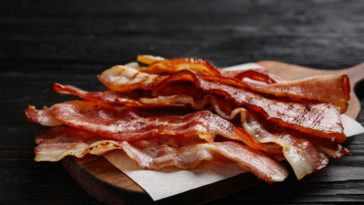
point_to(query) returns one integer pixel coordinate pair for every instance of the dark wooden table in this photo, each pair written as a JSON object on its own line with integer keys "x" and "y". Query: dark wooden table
{"x": 71, "y": 41}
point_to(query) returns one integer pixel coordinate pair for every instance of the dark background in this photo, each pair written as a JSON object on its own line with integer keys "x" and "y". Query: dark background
{"x": 42, "y": 42}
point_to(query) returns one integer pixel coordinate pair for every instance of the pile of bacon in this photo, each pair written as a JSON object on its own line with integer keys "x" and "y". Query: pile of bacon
{"x": 181, "y": 112}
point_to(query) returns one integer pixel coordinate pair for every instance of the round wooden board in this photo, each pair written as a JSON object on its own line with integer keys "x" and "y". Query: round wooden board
{"x": 103, "y": 181}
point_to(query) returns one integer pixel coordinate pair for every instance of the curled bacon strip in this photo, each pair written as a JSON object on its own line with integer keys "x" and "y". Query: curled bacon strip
{"x": 330, "y": 88}
{"x": 256, "y": 74}
{"x": 108, "y": 97}
{"x": 116, "y": 98}
{"x": 149, "y": 59}
{"x": 126, "y": 124}
{"x": 299, "y": 152}
{"x": 178, "y": 64}
{"x": 161, "y": 152}
{"x": 331, "y": 149}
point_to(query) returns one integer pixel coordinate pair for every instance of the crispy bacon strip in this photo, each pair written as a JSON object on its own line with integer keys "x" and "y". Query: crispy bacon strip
{"x": 329, "y": 88}
{"x": 149, "y": 59}
{"x": 116, "y": 98}
{"x": 312, "y": 89}
{"x": 126, "y": 124}
{"x": 178, "y": 64}
{"x": 56, "y": 143}
{"x": 256, "y": 74}
{"x": 330, "y": 148}
{"x": 108, "y": 97}
{"x": 299, "y": 152}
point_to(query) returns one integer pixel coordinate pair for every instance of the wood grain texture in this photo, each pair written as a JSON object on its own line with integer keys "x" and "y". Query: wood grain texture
{"x": 97, "y": 176}
{"x": 71, "y": 41}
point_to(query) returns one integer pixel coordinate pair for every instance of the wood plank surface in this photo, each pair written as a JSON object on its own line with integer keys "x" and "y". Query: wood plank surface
{"x": 71, "y": 41}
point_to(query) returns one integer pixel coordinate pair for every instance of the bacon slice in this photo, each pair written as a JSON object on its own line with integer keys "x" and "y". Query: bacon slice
{"x": 126, "y": 124}
{"x": 255, "y": 74}
{"x": 125, "y": 78}
{"x": 108, "y": 97}
{"x": 149, "y": 59}
{"x": 56, "y": 143}
{"x": 330, "y": 88}
{"x": 116, "y": 98}
{"x": 305, "y": 154}
{"x": 179, "y": 64}
{"x": 299, "y": 152}
{"x": 330, "y": 148}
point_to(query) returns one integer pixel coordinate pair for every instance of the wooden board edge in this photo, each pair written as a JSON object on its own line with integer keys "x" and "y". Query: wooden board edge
{"x": 111, "y": 194}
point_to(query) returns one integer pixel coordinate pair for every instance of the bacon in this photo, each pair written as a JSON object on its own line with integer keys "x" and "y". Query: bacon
{"x": 116, "y": 98}
{"x": 305, "y": 154}
{"x": 56, "y": 143}
{"x": 108, "y": 97}
{"x": 179, "y": 64}
{"x": 41, "y": 117}
{"x": 149, "y": 59}
{"x": 126, "y": 124}
{"x": 331, "y": 149}
{"x": 255, "y": 74}
{"x": 299, "y": 152}
{"x": 312, "y": 89}
{"x": 298, "y": 120}
{"x": 125, "y": 78}
{"x": 330, "y": 88}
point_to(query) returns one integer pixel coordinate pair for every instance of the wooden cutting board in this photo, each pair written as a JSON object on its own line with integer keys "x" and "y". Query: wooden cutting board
{"x": 103, "y": 181}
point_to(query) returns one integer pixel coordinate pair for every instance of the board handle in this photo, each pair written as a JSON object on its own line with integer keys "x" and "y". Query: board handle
{"x": 356, "y": 74}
